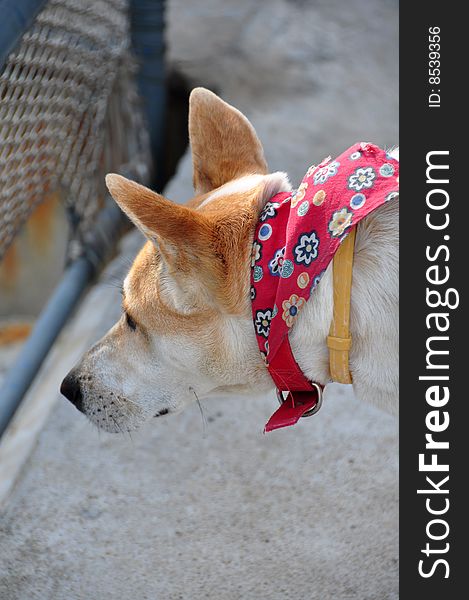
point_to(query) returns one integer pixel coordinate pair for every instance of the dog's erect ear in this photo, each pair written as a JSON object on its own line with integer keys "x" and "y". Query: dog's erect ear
{"x": 224, "y": 143}
{"x": 166, "y": 223}
{"x": 200, "y": 252}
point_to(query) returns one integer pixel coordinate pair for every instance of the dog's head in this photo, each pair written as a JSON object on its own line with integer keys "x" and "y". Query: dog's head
{"x": 186, "y": 329}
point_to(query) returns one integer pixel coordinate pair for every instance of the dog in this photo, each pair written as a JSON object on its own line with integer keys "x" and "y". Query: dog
{"x": 186, "y": 330}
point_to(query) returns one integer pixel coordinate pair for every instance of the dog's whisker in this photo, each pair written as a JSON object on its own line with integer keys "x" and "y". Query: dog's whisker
{"x": 112, "y": 417}
{"x": 202, "y": 414}
{"x": 129, "y": 405}
{"x": 137, "y": 409}
{"x": 113, "y": 284}
{"x": 117, "y": 425}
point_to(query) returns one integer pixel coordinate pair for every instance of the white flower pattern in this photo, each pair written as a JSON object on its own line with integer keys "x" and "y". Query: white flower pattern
{"x": 323, "y": 174}
{"x": 262, "y": 322}
{"x": 270, "y": 210}
{"x": 276, "y": 264}
{"x": 306, "y": 250}
{"x": 363, "y": 178}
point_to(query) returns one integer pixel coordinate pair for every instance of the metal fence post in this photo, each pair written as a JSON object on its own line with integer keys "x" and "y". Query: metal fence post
{"x": 147, "y": 19}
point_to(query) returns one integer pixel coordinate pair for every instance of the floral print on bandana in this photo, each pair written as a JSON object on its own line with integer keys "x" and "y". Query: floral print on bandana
{"x": 287, "y": 268}
{"x": 357, "y": 201}
{"x": 319, "y": 197}
{"x": 276, "y": 264}
{"x": 257, "y": 273}
{"x": 323, "y": 174}
{"x": 291, "y": 308}
{"x": 303, "y": 280}
{"x": 386, "y": 170}
{"x": 305, "y": 229}
{"x": 269, "y": 212}
{"x": 341, "y": 220}
{"x": 306, "y": 249}
{"x": 262, "y": 322}
{"x": 362, "y": 179}
{"x": 265, "y": 232}
{"x": 299, "y": 194}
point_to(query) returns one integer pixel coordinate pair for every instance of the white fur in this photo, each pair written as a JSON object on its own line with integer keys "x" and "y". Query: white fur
{"x": 274, "y": 183}
{"x": 240, "y": 185}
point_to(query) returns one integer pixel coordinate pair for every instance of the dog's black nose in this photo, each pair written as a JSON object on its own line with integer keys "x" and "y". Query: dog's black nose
{"x": 70, "y": 388}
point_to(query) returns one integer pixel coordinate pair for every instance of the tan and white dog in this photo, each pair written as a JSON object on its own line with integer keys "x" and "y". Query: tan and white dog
{"x": 186, "y": 331}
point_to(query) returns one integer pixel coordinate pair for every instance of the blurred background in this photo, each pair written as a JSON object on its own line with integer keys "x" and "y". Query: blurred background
{"x": 186, "y": 508}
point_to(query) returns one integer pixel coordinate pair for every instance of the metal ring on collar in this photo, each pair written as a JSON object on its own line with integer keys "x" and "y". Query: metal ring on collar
{"x": 317, "y": 406}
{"x": 312, "y": 411}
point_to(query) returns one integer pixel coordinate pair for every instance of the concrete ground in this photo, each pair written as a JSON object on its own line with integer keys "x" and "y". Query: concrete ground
{"x": 185, "y": 510}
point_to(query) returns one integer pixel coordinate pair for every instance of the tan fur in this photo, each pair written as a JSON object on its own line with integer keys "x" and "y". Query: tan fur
{"x": 224, "y": 143}
{"x": 208, "y": 244}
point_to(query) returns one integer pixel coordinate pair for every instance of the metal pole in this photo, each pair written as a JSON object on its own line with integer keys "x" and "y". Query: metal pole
{"x": 147, "y": 19}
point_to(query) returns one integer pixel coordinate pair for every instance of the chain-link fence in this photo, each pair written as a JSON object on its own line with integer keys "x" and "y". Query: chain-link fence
{"x": 69, "y": 113}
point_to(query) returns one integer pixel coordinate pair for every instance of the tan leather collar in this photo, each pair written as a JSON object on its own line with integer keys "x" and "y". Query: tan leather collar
{"x": 339, "y": 339}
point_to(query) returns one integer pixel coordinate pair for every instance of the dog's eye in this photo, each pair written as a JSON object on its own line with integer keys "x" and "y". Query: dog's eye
{"x": 130, "y": 322}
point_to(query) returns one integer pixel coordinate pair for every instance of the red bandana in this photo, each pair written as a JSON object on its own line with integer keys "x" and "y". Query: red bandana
{"x": 296, "y": 238}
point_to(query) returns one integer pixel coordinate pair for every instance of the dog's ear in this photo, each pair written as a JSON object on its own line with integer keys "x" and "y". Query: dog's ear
{"x": 202, "y": 253}
{"x": 169, "y": 225}
{"x": 224, "y": 143}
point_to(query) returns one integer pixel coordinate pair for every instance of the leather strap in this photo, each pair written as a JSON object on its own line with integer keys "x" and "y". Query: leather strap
{"x": 339, "y": 340}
